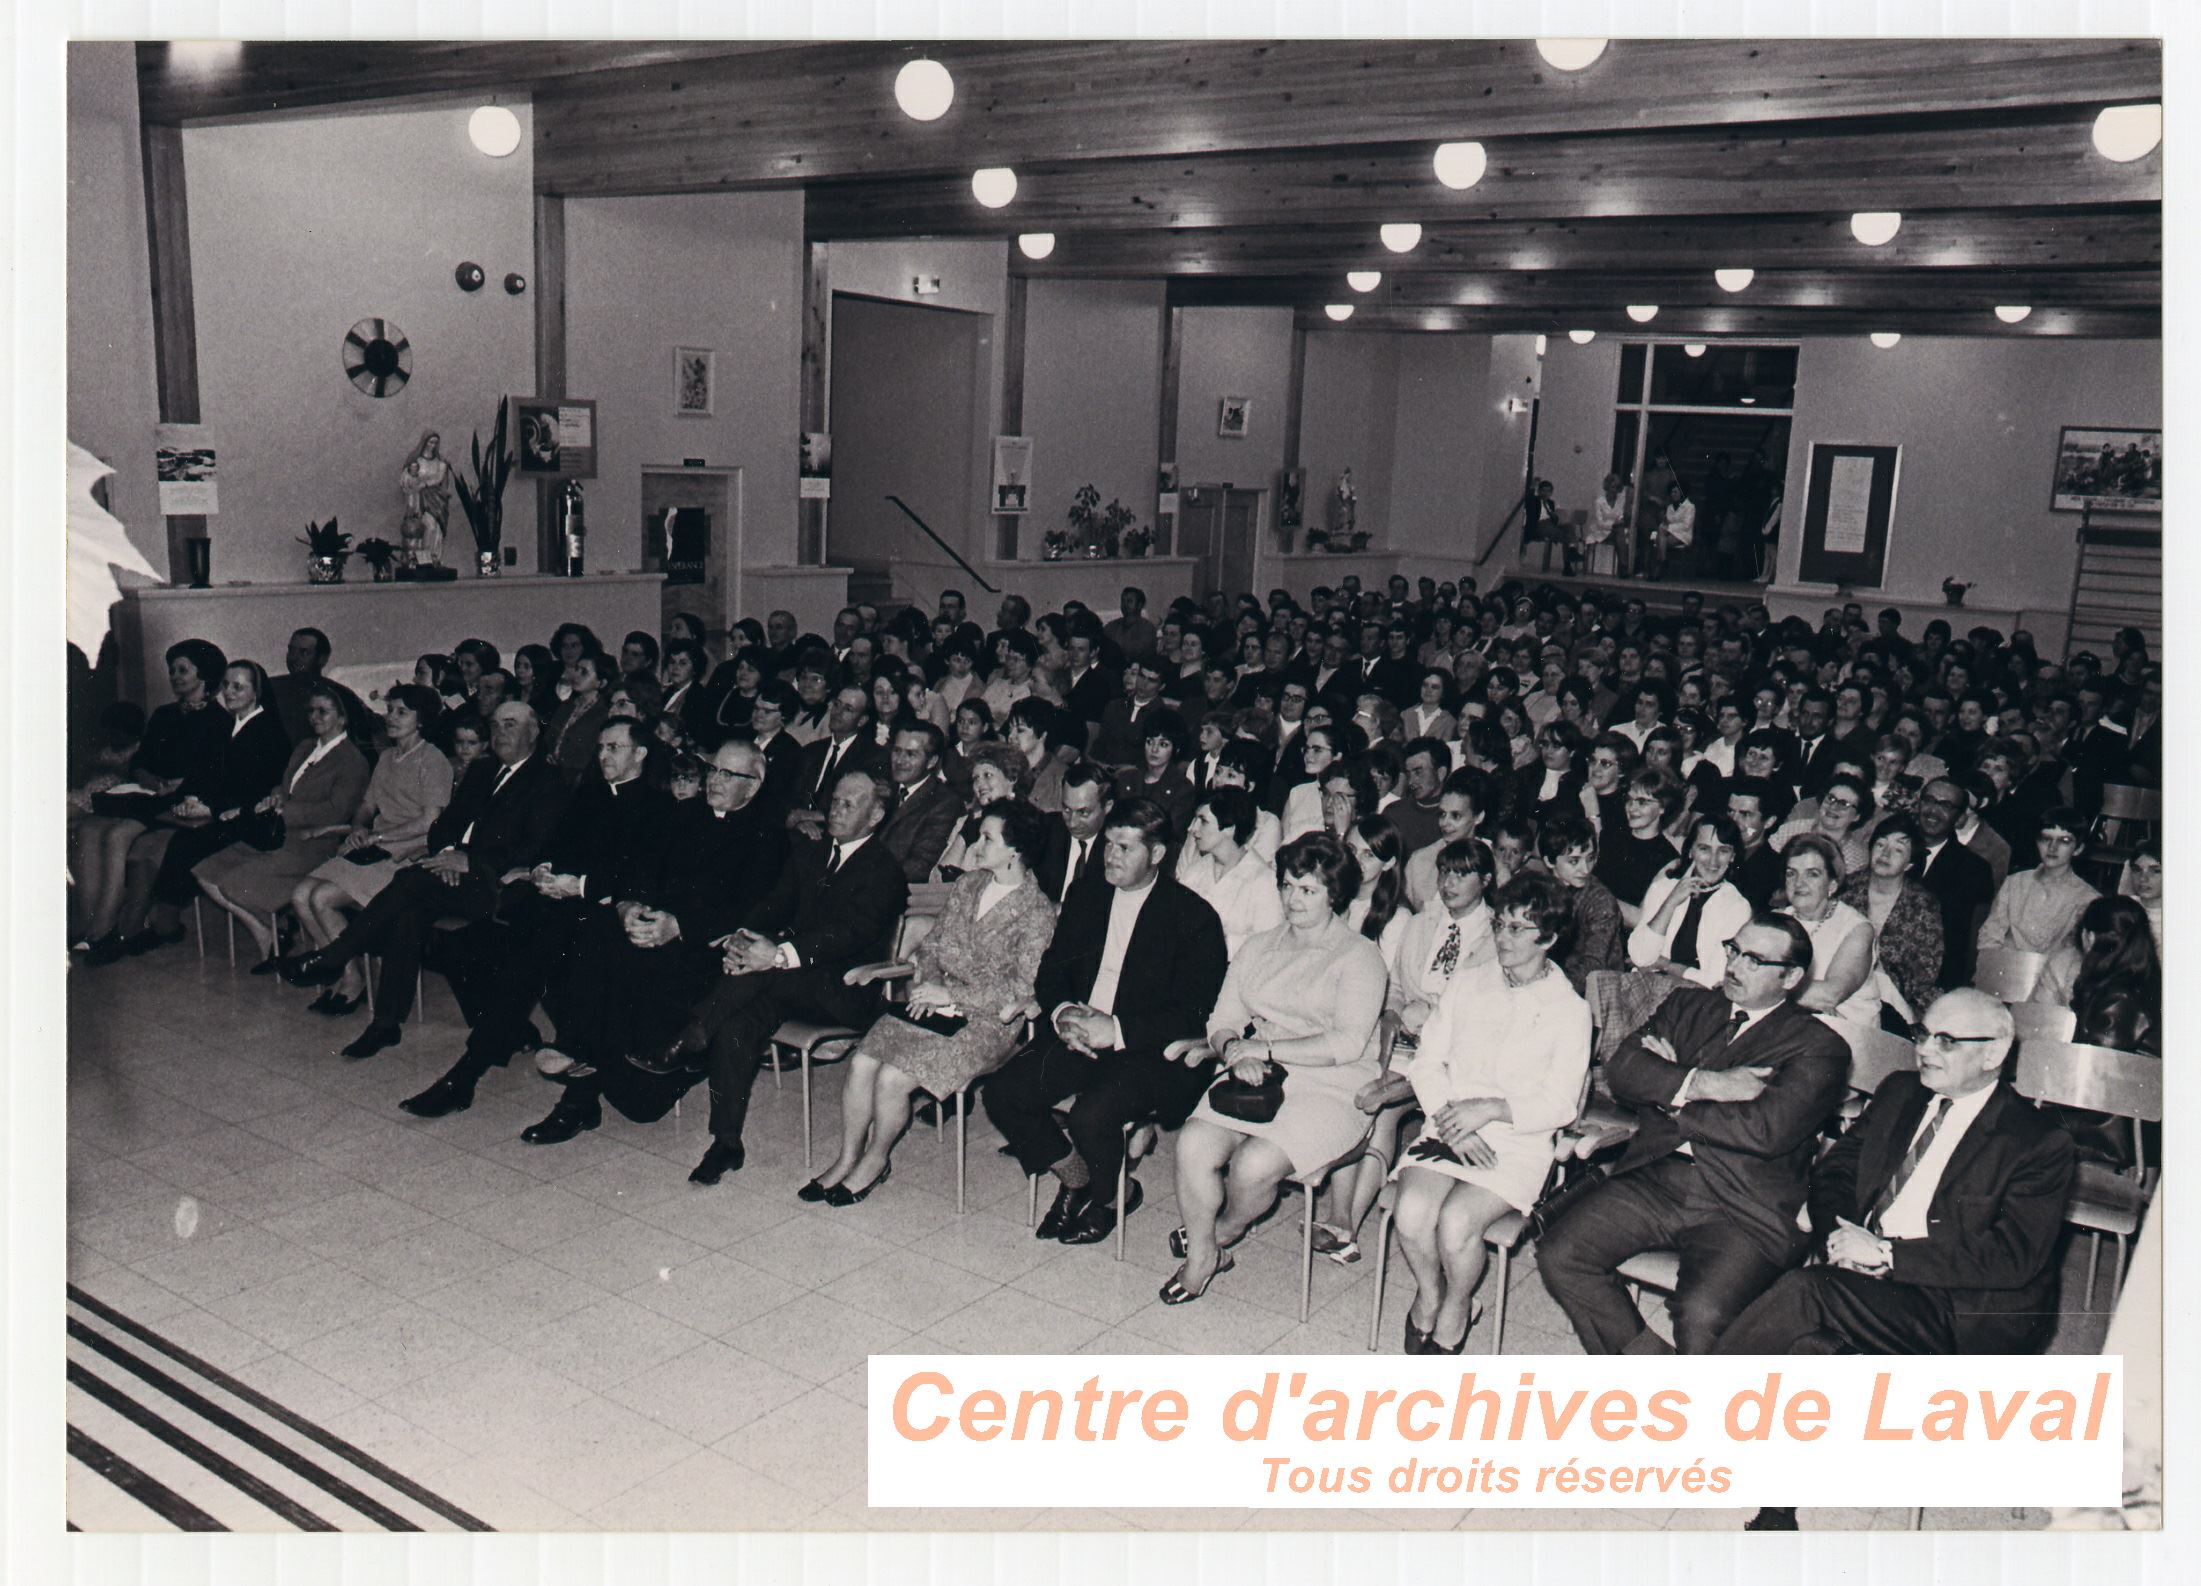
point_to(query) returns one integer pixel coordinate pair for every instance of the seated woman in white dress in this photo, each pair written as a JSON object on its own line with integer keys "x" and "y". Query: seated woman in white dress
{"x": 1220, "y": 865}
{"x": 1689, "y": 912}
{"x": 1303, "y": 805}
{"x": 1842, "y": 984}
{"x": 1307, "y": 997}
{"x": 1498, "y": 1074}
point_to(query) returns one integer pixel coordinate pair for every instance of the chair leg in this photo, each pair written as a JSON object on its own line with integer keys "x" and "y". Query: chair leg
{"x": 962, "y": 1145}
{"x": 230, "y": 920}
{"x": 1505, "y": 1271}
{"x": 805, "y": 1104}
{"x": 1306, "y": 1256}
{"x": 198, "y": 927}
{"x": 420, "y": 995}
{"x": 1123, "y": 1188}
{"x": 1031, "y": 1209}
{"x": 1383, "y": 1252}
{"x": 2093, "y": 1262}
{"x": 779, "y": 1077}
{"x": 2117, "y": 1275}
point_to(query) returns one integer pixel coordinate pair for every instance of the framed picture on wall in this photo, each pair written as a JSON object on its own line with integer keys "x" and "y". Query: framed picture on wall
{"x": 555, "y": 436}
{"x": 1232, "y": 416}
{"x": 2108, "y": 470}
{"x": 1849, "y": 503}
{"x": 695, "y": 388}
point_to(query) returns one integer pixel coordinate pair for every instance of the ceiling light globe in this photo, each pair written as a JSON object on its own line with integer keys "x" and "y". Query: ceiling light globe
{"x": 1569, "y": 55}
{"x": 993, "y": 185}
{"x": 1581, "y": 338}
{"x": 924, "y": 90}
{"x": 1884, "y": 339}
{"x": 494, "y": 130}
{"x": 1872, "y": 227}
{"x": 1461, "y": 165}
{"x": 1401, "y": 236}
{"x": 2013, "y": 313}
{"x": 1364, "y": 280}
{"x": 1734, "y": 280}
{"x": 1036, "y": 244}
{"x": 2128, "y": 132}
{"x": 1643, "y": 313}
{"x": 1694, "y": 349}
{"x": 1341, "y": 312}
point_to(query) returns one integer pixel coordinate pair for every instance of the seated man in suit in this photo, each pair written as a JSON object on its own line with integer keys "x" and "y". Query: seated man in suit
{"x": 926, "y": 808}
{"x": 647, "y": 960}
{"x": 848, "y": 745}
{"x": 1961, "y": 881}
{"x": 1734, "y": 1085}
{"x": 1120, "y": 740}
{"x": 1937, "y": 1215}
{"x": 607, "y": 842}
{"x": 1074, "y": 847}
{"x": 497, "y": 821}
{"x": 1134, "y": 966}
{"x": 835, "y": 906}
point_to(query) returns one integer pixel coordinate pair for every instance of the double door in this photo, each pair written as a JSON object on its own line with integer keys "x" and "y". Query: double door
{"x": 1216, "y": 526}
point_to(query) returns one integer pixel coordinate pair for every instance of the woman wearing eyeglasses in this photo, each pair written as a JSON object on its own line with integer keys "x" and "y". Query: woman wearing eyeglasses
{"x": 1844, "y": 808}
{"x": 1841, "y": 982}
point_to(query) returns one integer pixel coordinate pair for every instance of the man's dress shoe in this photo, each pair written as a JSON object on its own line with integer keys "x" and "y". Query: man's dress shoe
{"x": 562, "y": 1125}
{"x": 444, "y": 1097}
{"x": 314, "y": 969}
{"x": 1069, "y": 1206}
{"x": 717, "y": 1162}
{"x": 681, "y": 1055}
{"x": 377, "y": 1037}
{"x": 1098, "y": 1220}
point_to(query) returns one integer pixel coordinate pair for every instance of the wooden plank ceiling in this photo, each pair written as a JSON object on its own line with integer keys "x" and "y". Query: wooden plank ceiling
{"x": 1257, "y": 173}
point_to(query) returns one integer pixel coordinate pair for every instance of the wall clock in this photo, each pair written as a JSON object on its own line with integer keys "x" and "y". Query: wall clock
{"x": 377, "y": 357}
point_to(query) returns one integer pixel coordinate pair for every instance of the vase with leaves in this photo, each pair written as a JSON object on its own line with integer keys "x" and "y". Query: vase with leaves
{"x": 482, "y": 500}
{"x": 327, "y": 548}
{"x": 379, "y": 555}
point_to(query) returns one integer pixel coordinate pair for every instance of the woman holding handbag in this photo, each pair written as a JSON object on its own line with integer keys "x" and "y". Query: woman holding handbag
{"x": 1296, "y": 1028}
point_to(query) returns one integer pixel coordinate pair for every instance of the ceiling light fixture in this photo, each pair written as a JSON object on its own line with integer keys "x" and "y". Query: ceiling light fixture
{"x": 1872, "y": 227}
{"x": 494, "y": 130}
{"x": 1884, "y": 339}
{"x": 1036, "y": 244}
{"x": 1461, "y": 165}
{"x": 1569, "y": 55}
{"x": 2012, "y": 313}
{"x": 993, "y": 185}
{"x": 1581, "y": 338}
{"x": 1748, "y": 401}
{"x": 1364, "y": 280}
{"x": 1694, "y": 349}
{"x": 924, "y": 90}
{"x": 1341, "y": 312}
{"x": 2128, "y": 132}
{"x": 1643, "y": 313}
{"x": 1401, "y": 236}
{"x": 1734, "y": 280}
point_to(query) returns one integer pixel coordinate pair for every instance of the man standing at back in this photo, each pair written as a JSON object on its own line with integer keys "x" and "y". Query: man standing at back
{"x": 1733, "y": 1087}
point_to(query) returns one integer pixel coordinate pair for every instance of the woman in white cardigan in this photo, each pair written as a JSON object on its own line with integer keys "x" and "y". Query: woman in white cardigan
{"x": 1690, "y": 912}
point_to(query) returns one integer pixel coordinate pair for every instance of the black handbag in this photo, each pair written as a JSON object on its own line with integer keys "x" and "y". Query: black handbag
{"x": 1558, "y": 1199}
{"x": 264, "y": 830}
{"x": 1256, "y": 1103}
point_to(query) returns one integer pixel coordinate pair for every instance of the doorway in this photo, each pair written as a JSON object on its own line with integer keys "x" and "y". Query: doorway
{"x": 907, "y": 394}
{"x": 1216, "y": 527}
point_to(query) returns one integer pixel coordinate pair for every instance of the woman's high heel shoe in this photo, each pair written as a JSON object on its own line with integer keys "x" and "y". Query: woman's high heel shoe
{"x": 842, "y": 1195}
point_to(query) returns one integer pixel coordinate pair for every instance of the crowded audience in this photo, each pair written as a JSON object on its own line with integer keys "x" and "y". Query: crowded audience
{"x": 1294, "y": 881}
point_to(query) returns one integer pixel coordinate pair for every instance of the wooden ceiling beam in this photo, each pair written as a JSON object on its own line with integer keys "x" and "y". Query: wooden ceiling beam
{"x": 1669, "y": 290}
{"x": 2017, "y": 162}
{"x": 1784, "y": 324}
{"x": 828, "y": 111}
{"x": 2120, "y": 237}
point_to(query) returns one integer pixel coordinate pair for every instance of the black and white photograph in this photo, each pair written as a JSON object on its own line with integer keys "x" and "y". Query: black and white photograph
{"x": 532, "y": 1040}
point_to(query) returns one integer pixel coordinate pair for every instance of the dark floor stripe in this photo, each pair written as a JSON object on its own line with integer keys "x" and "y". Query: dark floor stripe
{"x": 244, "y": 1431}
{"x": 207, "y": 1459}
{"x": 290, "y": 1418}
{"x": 178, "y": 1511}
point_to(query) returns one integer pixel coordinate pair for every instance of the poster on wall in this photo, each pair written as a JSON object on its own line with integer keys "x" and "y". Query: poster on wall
{"x": 184, "y": 457}
{"x": 1012, "y": 475}
{"x": 1234, "y": 417}
{"x": 817, "y": 466}
{"x": 681, "y": 544}
{"x": 1849, "y": 503}
{"x": 556, "y": 436}
{"x": 2108, "y": 470}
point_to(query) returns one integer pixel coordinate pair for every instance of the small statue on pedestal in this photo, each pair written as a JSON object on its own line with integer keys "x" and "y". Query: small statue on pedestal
{"x": 426, "y": 483}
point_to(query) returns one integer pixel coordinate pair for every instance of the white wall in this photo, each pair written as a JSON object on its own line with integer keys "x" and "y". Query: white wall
{"x": 646, "y": 275}
{"x": 1232, "y": 352}
{"x": 1092, "y": 393}
{"x": 301, "y": 227}
{"x": 1349, "y": 408}
{"x": 113, "y": 402}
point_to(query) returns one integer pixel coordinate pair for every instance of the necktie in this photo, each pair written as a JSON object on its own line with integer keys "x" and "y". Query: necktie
{"x": 1685, "y": 939}
{"x": 1908, "y": 1165}
{"x": 833, "y": 862}
{"x": 825, "y": 771}
{"x": 503, "y": 777}
{"x": 1448, "y": 956}
{"x": 1075, "y": 868}
{"x": 1736, "y": 1019}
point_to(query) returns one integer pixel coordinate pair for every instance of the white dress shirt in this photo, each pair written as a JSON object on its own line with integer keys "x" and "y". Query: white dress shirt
{"x": 1905, "y": 1217}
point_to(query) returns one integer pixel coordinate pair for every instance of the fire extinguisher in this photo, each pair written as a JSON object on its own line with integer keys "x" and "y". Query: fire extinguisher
{"x": 572, "y": 529}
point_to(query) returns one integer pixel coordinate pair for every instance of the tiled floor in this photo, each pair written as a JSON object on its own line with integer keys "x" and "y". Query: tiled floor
{"x": 573, "y": 1337}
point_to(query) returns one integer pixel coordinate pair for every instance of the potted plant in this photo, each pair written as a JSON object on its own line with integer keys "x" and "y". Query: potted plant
{"x": 1055, "y": 545}
{"x": 379, "y": 555}
{"x": 1953, "y": 591}
{"x": 1085, "y": 520}
{"x": 1115, "y": 523}
{"x": 1137, "y": 541}
{"x": 483, "y": 500}
{"x": 327, "y": 547}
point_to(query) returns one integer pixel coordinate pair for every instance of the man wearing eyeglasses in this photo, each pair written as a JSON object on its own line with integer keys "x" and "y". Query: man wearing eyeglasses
{"x": 1961, "y": 881}
{"x": 1935, "y": 1219}
{"x": 1732, "y": 1086}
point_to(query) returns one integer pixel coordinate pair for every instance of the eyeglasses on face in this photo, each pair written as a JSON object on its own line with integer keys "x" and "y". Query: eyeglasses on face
{"x": 1944, "y": 1040}
{"x": 719, "y": 773}
{"x": 1838, "y": 802}
{"x": 1736, "y": 950}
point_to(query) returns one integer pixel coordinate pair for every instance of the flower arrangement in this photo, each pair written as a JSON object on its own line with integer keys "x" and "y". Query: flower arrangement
{"x": 483, "y": 501}
{"x": 1055, "y": 545}
{"x": 1953, "y": 591}
{"x": 327, "y": 548}
{"x": 379, "y": 555}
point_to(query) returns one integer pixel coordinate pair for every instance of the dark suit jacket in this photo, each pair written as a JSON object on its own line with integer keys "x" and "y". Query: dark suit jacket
{"x": 612, "y": 838}
{"x": 243, "y": 765}
{"x": 1344, "y": 683}
{"x": 1121, "y": 740}
{"x": 863, "y": 754}
{"x": 1755, "y": 1155}
{"x": 1057, "y": 859}
{"x": 712, "y": 871}
{"x": 1993, "y": 1225}
{"x": 834, "y": 921}
{"x": 917, "y": 832}
{"x": 1964, "y": 884}
{"x": 511, "y": 828}
{"x": 1527, "y": 782}
{"x": 1091, "y": 694}
{"x": 1172, "y": 970}
{"x": 1815, "y": 772}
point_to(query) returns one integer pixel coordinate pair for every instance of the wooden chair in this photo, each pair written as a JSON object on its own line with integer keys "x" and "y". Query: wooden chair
{"x": 2007, "y": 974}
{"x": 2043, "y": 1021}
{"x": 809, "y": 1042}
{"x": 1503, "y": 1236}
{"x": 2123, "y": 809}
{"x": 2126, "y": 1085}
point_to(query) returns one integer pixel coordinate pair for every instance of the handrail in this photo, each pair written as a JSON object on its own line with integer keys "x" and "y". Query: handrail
{"x": 907, "y": 512}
